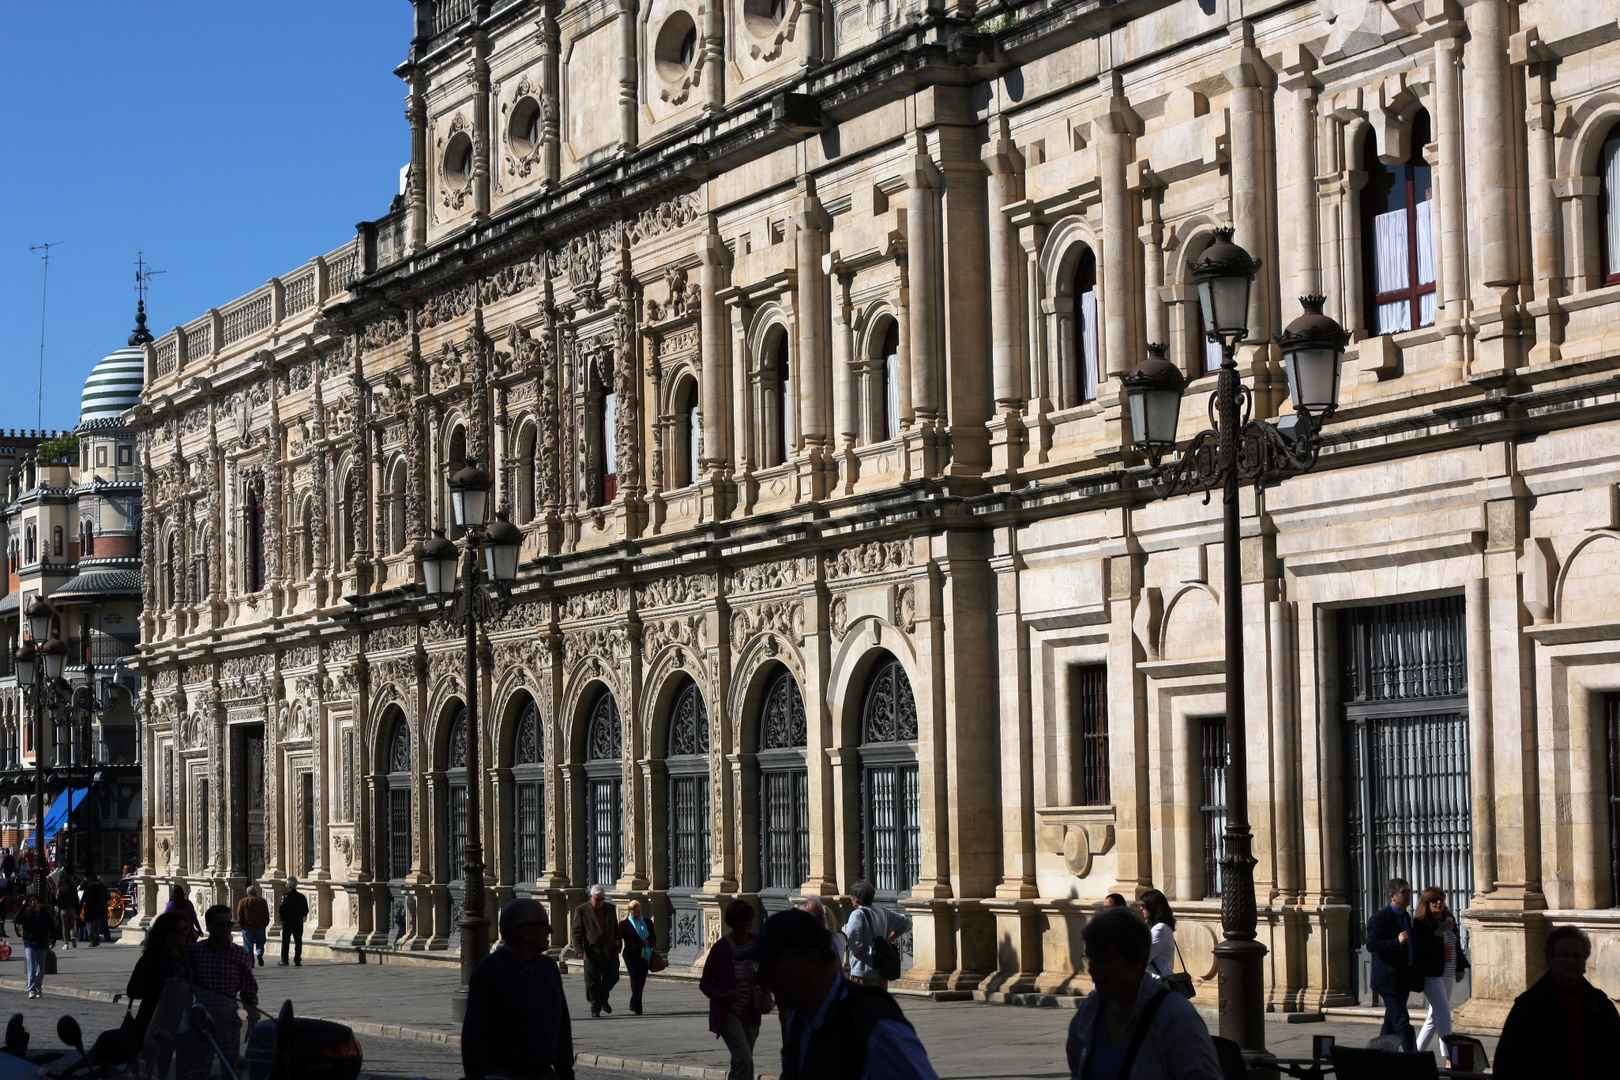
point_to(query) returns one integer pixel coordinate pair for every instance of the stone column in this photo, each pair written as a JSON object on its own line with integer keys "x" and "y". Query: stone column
{"x": 846, "y": 422}
{"x": 964, "y": 366}
{"x": 811, "y": 225}
{"x": 1116, "y": 124}
{"x": 1009, "y": 341}
{"x": 1151, "y": 236}
{"x": 716, "y": 374}
{"x": 1251, "y": 79}
{"x": 628, "y": 105}
{"x": 1452, "y": 288}
{"x": 1546, "y": 220}
{"x": 714, "y": 57}
{"x": 810, "y": 33}
{"x": 416, "y": 177}
{"x": 922, "y": 272}
{"x": 1299, "y": 252}
{"x": 550, "y": 99}
{"x": 1491, "y": 170}
{"x": 483, "y": 137}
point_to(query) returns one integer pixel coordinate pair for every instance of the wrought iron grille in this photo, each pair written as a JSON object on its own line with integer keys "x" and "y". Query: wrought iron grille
{"x": 200, "y": 816}
{"x": 893, "y": 833}
{"x": 1401, "y": 651}
{"x": 1612, "y": 701}
{"x": 603, "y": 739}
{"x": 456, "y": 815}
{"x": 689, "y": 830}
{"x": 785, "y": 811}
{"x": 526, "y": 748}
{"x": 890, "y": 712}
{"x": 456, "y": 755}
{"x": 399, "y": 831}
{"x": 1213, "y": 805}
{"x": 1407, "y": 800}
{"x": 1090, "y": 684}
{"x": 399, "y": 752}
{"x": 253, "y": 799}
{"x": 782, "y": 723}
{"x": 689, "y": 724}
{"x": 306, "y": 812}
{"x": 606, "y": 854}
{"x": 526, "y": 836}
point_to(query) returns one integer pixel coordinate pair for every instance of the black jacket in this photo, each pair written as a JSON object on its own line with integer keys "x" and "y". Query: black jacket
{"x": 38, "y": 929}
{"x": 1431, "y": 950}
{"x": 516, "y": 1016}
{"x": 1536, "y": 1038}
{"x": 152, "y": 973}
{"x": 93, "y": 903}
{"x": 1392, "y": 969}
{"x": 294, "y": 908}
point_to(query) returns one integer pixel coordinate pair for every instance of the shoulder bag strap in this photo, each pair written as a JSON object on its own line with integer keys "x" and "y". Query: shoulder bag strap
{"x": 1141, "y": 1032}
{"x": 1177, "y": 944}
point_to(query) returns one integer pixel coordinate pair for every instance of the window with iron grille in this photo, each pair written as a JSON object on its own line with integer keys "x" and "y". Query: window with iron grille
{"x": 397, "y": 847}
{"x": 306, "y": 809}
{"x": 455, "y": 809}
{"x": 607, "y": 860}
{"x": 688, "y": 764}
{"x": 784, "y": 801}
{"x": 603, "y": 746}
{"x": 528, "y": 818}
{"x": 891, "y": 802}
{"x": 1611, "y": 710}
{"x": 1089, "y": 689}
{"x": 1212, "y": 732}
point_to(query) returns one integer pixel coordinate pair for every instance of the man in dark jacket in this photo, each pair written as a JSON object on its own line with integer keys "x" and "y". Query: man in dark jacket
{"x": 67, "y": 908}
{"x": 1394, "y": 961}
{"x": 38, "y": 928}
{"x": 517, "y": 1024}
{"x": 294, "y": 910}
{"x": 1563, "y": 1025}
{"x": 595, "y": 933}
{"x": 93, "y": 900}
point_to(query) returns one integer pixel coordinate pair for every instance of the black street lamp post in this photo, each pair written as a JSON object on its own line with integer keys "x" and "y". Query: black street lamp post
{"x": 485, "y": 591}
{"x": 1237, "y": 449}
{"x": 39, "y": 672}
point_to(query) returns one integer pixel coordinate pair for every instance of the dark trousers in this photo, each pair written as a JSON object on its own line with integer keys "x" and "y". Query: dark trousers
{"x": 1397, "y": 1021}
{"x": 292, "y": 934}
{"x": 638, "y": 979}
{"x": 600, "y": 975}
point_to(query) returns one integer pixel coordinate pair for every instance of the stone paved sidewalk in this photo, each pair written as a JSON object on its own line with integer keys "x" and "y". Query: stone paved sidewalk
{"x": 393, "y": 1007}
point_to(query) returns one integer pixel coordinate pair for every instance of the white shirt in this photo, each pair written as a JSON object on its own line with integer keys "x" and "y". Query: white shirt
{"x": 1162, "y": 954}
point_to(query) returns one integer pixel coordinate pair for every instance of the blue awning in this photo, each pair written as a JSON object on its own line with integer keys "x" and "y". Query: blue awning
{"x": 58, "y": 813}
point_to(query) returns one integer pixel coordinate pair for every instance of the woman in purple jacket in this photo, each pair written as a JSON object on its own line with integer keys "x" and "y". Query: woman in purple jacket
{"x": 737, "y": 999}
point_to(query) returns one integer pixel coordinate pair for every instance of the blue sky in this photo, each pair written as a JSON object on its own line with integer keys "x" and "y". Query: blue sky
{"x": 229, "y": 140}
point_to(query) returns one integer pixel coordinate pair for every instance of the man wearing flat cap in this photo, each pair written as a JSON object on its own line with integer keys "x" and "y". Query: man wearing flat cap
{"x": 834, "y": 1028}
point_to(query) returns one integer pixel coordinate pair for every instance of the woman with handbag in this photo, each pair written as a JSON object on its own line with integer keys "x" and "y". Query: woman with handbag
{"x": 639, "y": 941}
{"x": 162, "y": 958}
{"x": 1439, "y": 959}
{"x": 737, "y": 999}
{"x": 1155, "y": 909}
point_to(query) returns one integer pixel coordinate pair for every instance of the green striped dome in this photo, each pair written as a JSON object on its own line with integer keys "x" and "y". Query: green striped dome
{"x": 114, "y": 385}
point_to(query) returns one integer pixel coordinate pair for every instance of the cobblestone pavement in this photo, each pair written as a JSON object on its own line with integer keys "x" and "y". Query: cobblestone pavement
{"x": 401, "y": 1016}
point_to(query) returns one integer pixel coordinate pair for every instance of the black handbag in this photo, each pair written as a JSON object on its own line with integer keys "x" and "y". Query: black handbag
{"x": 1181, "y": 981}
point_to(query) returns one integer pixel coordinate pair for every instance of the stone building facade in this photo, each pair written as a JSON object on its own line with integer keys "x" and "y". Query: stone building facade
{"x": 792, "y": 334}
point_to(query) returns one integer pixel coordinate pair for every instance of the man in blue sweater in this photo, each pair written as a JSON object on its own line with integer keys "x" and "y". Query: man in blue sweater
{"x": 517, "y": 1024}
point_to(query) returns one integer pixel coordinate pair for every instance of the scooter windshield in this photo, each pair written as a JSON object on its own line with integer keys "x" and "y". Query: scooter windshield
{"x": 195, "y": 1034}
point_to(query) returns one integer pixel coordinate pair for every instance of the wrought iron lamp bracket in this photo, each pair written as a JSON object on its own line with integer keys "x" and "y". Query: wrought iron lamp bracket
{"x": 1257, "y": 451}
{"x": 484, "y": 601}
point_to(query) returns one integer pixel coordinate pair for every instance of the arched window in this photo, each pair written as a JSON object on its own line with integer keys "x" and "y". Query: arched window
{"x": 1087, "y": 373}
{"x": 891, "y": 825}
{"x": 683, "y": 453}
{"x": 348, "y": 512}
{"x": 1398, "y": 236}
{"x": 396, "y": 508}
{"x": 396, "y": 846}
{"x": 604, "y": 742}
{"x": 601, "y": 429}
{"x": 30, "y": 543}
{"x": 528, "y": 796}
{"x": 171, "y": 560}
{"x": 306, "y": 539}
{"x": 455, "y": 803}
{"x": 455, "y": 457}
{"x": 1609, "y": 207}
{"x": 776, "y": 397}
{"x": 688, "y": 764}
{"x": 253, "y": 525}
{"x": 524, "y": 482}
{"x": 784, "y": 788}
{"x": 56, "y": 541}
{"x": 880, "y": 419}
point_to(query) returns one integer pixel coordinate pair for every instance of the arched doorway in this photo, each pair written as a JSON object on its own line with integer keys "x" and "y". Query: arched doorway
{"x": 453, "y": 819}
{"x": 528, "y": 797}
{"x": 890, "y": 806}
{"x": 784, "y": 798}
{"x": 687, "y": 762}
{"x": 604, "y": 821}
{"x": 394, "y": 854}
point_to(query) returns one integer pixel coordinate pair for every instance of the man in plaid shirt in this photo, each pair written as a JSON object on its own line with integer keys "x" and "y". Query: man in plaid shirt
{"x": 220, "y": 965}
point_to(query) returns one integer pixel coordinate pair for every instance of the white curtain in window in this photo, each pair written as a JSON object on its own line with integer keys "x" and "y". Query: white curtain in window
{"x": 1212, "y": 350}
{"x": 1393, "y": 318}
{"x": 610, "y": 448}
{"x": 891, "y": 393}
{"x": 1611, "y": 194}
{"x": 1425, "y": 242}
{"x": 1389, "y": 250}
{"x": 694, "y": 444}
{"x": 1088, "y": 346}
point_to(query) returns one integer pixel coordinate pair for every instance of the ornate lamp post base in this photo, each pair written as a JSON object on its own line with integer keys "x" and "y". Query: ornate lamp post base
{"x": 1240, "y": 970}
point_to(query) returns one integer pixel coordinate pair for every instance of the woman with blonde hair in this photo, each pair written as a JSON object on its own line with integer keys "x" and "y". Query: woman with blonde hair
{"x": 817, "y": 906}
{"x": 1438, "y": 958}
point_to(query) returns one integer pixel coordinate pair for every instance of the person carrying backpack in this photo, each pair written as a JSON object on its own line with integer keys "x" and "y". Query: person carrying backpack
{"x": 873, "y": 958}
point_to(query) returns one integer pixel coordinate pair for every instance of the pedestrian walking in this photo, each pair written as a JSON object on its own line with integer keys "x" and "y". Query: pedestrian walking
{"x": 8, "y": 864}
{"x": 1113, "y": 900}
{"x": 818, "y": 907}
{"x": 1154, "y": 907}
{"x": 737, "y": 1000}
{"x": 639, "y": 939}
{"x": 836, "y": 1029}
{"x": 1394, "y": 960}
{"x": 1131, "y": 1025}
{"x": 252, "y": 917}
{"x": 38, "y": 934}
{"x": 294, "y": 910}
{"x": 180, "y": 902}
{"x": 517, "y": 1025}
{"x": 163, "y": 957}
{"x": 67, "y": 908}
{"x": 1440, "y": 962}
{"x": 595, "y": 935}
{"x": 1563, "y": 1025}
{"x": 868, "y": 924}
{"x": 94, "y": 898}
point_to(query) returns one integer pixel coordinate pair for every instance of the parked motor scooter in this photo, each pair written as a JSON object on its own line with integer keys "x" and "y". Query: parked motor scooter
{"x": 302, "y": 1048}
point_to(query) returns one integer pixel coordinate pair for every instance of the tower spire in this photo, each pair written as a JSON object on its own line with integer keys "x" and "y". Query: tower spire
{"x": 143, "y": 278}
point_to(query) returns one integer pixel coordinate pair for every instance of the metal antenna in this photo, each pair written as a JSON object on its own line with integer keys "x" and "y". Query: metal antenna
{"x": 45, "y": 283}
{"x": 143, "y": 279}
